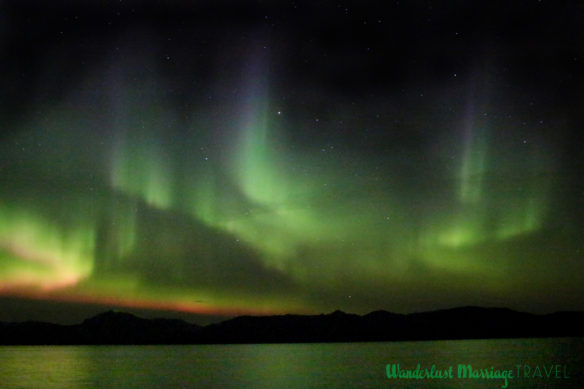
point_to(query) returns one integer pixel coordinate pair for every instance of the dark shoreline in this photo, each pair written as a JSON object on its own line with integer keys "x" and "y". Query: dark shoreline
{"x": 118, "y": 328}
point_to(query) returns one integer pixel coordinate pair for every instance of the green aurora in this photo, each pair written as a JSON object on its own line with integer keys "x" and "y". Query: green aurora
{"x": 143, "y": 218}
{"x": 251, "y": 204}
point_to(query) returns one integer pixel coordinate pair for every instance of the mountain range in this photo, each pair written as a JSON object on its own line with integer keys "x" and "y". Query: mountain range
{"x": 457, "y": 323}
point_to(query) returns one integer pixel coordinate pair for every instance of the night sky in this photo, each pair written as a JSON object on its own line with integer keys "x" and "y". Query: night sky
{"x": 219, "y": 158}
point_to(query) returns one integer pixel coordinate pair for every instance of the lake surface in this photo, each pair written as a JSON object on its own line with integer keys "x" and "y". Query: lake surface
{"x": 333, "y": 365}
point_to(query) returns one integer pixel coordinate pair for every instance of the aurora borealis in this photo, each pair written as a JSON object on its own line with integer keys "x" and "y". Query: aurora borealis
{"x": 297, "y": 157}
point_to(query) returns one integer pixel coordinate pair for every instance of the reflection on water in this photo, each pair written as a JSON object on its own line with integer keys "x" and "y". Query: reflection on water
{"x": 336, "y": 365}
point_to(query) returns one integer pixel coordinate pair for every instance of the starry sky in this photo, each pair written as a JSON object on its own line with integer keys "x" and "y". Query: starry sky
{"x": 210, "y": 159}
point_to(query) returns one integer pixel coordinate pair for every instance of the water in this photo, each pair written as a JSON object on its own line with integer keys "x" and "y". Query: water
{"x": 334, "y": 365}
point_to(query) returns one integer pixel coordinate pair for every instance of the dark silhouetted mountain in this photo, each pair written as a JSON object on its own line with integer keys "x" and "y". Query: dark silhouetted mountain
{"x": 457, "y": 323}
{"x": 337, "y": 326}
{"x": 124, "y": 328}
{"x": 29, "y": 333}
{"x": 106, "y": 328}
